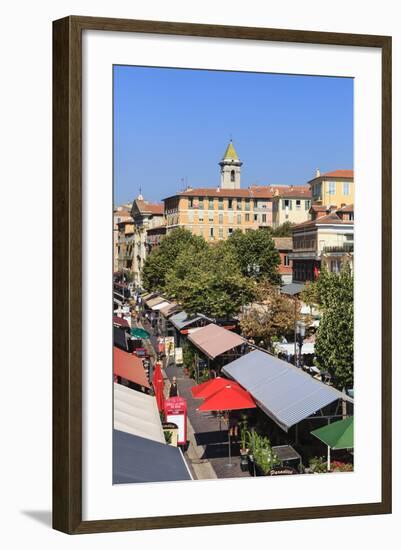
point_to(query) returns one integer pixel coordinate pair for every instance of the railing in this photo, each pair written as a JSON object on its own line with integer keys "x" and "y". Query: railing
{"x": 346, "y": 247}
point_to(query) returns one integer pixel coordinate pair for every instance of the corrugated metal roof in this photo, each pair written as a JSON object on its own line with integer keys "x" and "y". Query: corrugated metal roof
{"x": 182, "y": 319}
{"x": 285, "y": 393}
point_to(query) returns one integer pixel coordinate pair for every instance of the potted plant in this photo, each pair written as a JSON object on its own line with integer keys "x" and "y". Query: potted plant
{"x": 244, "y": 449}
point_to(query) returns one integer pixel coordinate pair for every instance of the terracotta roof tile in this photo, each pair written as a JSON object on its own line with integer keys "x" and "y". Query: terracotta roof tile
{"x": 283, "y": 243}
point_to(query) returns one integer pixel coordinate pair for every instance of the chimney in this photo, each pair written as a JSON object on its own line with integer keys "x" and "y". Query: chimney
{"x": 317, "y": 173}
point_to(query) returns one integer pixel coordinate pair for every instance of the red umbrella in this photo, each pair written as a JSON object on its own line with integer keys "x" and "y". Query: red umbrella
{"x": 204, "y": 390}
{"x": 158, "y": 386}
{"x": 229, "y": 397}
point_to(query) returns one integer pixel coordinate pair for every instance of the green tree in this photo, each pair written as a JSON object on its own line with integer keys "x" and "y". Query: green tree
{"x": 283, "y": 230}
{"x": 162, "y": 259}
{"x": 334, "y": 348}
{"x": 256, "y": 247}
{"x": 210, "y": 283}
{"x": 271, "y": 316}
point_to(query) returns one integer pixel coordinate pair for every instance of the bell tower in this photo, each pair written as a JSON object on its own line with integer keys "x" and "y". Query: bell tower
{"x": 230, "y": 169}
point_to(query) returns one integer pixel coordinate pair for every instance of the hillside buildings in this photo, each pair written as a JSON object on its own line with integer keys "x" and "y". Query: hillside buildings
{"x": 321, "y": 212}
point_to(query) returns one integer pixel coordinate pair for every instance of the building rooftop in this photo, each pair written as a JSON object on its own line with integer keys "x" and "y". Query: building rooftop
{"x": 283, "y": 243}
{"x": 149, "y": 207}
{"x": 338, "y": 174}
{"x": 231, "y": 153}
{"x": 329, "y": 219}
{"x": 254, "y": 191}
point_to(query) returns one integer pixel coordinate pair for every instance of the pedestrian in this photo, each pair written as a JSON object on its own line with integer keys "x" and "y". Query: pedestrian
{"x": 173, "y": 392}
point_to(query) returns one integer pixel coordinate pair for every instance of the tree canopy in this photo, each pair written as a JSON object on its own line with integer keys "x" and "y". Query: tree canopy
{"x": 334, "y": 348}
{"x": 271, "y": 316}
{"x": 256, "y": 247}
{"x": 212, "y": 283}
{"x": 283, "y": 230}
{"x": 163, "y": 259}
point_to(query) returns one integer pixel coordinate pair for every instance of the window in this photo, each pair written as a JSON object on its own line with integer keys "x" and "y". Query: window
{"x": 231, "y": 217}
{"x": 332, "y": 187}
{"x": 220, "y": 204}
{"x": 335, "y": 266}
{"x": 239, "y": 204}
{"x": 346, "y": 188}
{"x": 239, "y": 219}
{"x": 255, "y": 217}
{"x": 211, "y": 215}
{"x": 230, "y": 230}
{"x": 286, "y": 260}
{"x": 232, "y": 175}
{"x": 211, "y": 233}
{"x": 230, "y": 204}
{"x": 351, "y": 216}
{"x": 191, "y": 217}
{"x": 307, "y": 205}
{"x": 298, "y": 204}
{"x": 247, "y": 204}
{"x": 247, "y": 217}
{"x": 221, "y": 219}
{"x": 287, "y": 203}
{"x": 201, "y": 204}
{"x": 317, "y": 190}
{"x": 211, "y": 203}
{"x": 264, "y": 218}
{"x": 221, "y": 233}
{"x": 200, "y": 216}
{"x": 190, "y": 202}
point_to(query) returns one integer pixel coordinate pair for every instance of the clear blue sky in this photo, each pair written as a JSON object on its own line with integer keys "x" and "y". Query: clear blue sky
{"x": 171, "y": 127}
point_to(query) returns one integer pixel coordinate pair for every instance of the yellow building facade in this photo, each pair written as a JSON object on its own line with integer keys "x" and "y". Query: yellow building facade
{"x": 215, "y": 213}
{"x": 333, "y": 188}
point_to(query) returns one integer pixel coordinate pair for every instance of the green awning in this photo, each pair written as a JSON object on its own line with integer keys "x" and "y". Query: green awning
{"x": 338, "y": 435}
{"x": 140, "y": 333}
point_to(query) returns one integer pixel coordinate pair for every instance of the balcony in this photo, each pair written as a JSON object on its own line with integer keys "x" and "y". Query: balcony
{"x": 346, "y": 248}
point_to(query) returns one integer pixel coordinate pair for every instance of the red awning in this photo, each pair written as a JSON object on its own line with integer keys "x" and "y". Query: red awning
{"x": 228, "y": 398}
{"x": 130, "y": 367}
{"x": 120, "y": 321}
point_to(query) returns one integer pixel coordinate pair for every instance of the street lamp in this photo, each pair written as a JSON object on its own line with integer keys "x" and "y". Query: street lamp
{"x": 300, "y": 335}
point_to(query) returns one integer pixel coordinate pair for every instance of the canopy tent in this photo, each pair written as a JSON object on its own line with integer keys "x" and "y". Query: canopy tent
{"x": 213, "y": 340}
{"x": 284, "y": 392}
{"x": 182, "y": 319}
{"x": 137, "y": 413}
{"x": 141, "y": 333}
{"x": 337, "y": 435}
{"x": 166, "y": 311}
{"x": 160, "y": 305}
{"x": 130, "y": 367}
{"x": 140, "y": 460}
{"x": 154, "y": 301}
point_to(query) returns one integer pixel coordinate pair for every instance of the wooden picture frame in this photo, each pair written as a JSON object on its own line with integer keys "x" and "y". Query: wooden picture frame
{"x": 67, "y": 273}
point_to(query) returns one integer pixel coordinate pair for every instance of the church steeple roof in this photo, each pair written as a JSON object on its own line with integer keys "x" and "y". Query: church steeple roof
{"x": 231, "y": 153}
